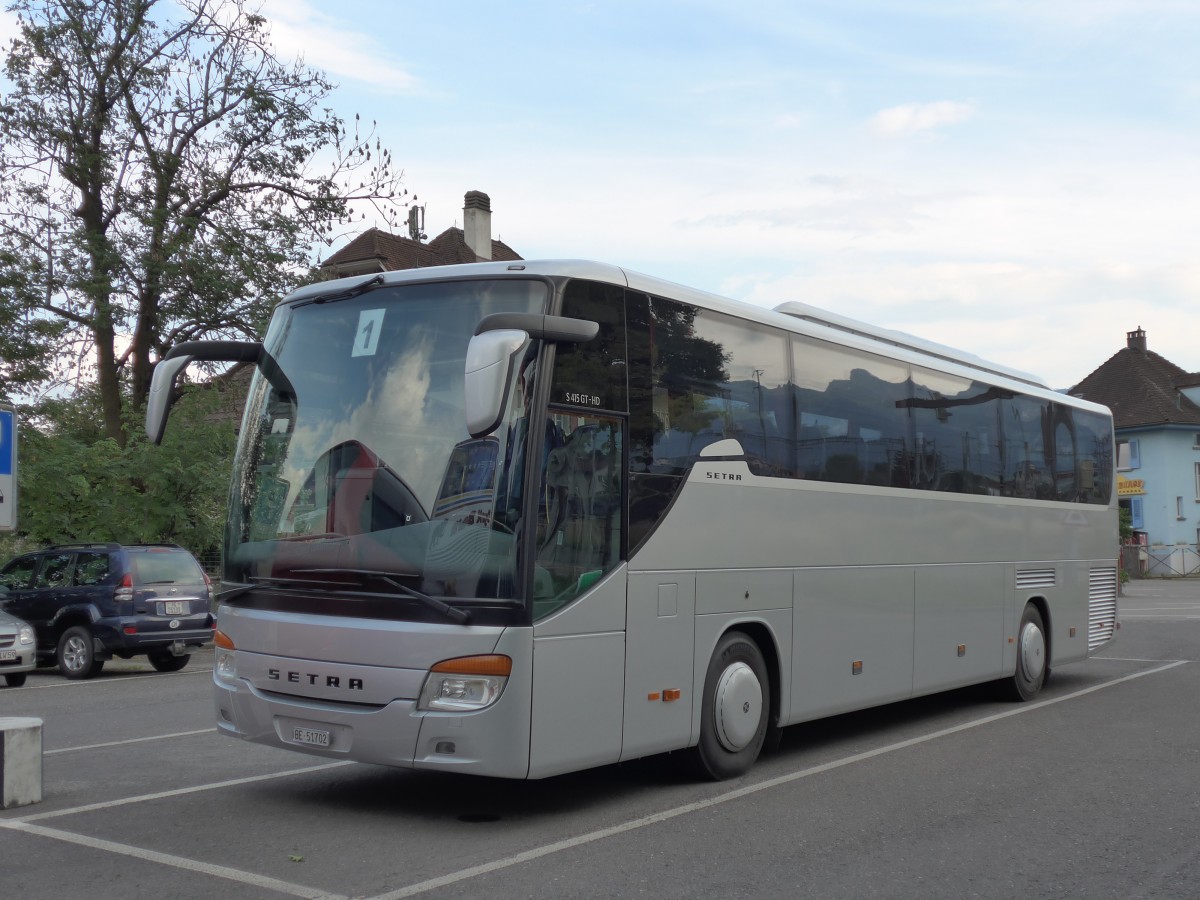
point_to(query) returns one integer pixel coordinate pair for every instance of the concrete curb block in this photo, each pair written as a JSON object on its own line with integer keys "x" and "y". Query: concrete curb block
{"x": 20, "y": 761}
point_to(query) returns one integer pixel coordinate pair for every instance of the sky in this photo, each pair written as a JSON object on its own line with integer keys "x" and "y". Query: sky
{"x": 1017, "y": 179}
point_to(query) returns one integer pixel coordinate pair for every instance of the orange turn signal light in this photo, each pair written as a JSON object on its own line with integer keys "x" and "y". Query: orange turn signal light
{"x": 221, "y": 639}
{"x": 492, "y": 664}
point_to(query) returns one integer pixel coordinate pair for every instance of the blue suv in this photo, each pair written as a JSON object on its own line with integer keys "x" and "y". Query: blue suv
{"x": 90, "y": 602}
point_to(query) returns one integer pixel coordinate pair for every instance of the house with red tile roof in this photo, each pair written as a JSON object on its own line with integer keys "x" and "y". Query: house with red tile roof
{"x": 1156, "y": 416}
{"x": 381, "y": 251}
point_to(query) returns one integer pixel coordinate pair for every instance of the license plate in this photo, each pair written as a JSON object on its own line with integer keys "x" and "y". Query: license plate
{"x": 8, "y": 654}
{"x": 310, "y": 736}
{"x": 175, "y": 608}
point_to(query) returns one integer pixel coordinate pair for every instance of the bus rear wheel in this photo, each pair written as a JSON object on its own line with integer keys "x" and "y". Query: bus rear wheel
{"x": 736, "y": 709}
{"x": 1032, "y": 663}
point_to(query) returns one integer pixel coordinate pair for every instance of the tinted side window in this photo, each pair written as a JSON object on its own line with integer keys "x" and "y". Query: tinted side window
{"x": 957, "y": 436}
{"x": 55, "y": 571}
{"x": 851, "y": 415}
{"x": 650, "y": 489}
{"x": 1028, "y": 471}
{"x": 718, "y": 377}
{"x": 1094, "y": 445}
{"x": 91, "y": 568}
{"x": 593, "y": 374}
{"x": 18, "y": 573}
{"x": 976, "y": 438}
{"x": 754, "y": 400}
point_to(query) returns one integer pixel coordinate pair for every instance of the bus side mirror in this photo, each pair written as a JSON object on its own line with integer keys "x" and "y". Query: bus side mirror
{"x": 494, "y": 353}
{"x": 162, "y": 383}
{"x": 492, "y": 360}
{"x": 158, "y": 405}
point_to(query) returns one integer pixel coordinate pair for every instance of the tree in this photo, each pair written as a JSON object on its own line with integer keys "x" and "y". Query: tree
{"x": 77, "y": 485}
{"x": 28, "y": 341}
{"x": 162, "y": 181}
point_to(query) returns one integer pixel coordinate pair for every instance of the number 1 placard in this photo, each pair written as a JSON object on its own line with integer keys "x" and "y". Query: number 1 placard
{"x": 366, "y": 338}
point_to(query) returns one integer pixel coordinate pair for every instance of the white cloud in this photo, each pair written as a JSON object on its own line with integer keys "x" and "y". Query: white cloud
{"x": 1058, "y": 322}
{"x": 911, "y": 118}
{"x": 298, "y": 30}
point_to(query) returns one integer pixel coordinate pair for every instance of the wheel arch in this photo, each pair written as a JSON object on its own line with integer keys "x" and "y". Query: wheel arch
{"x": 69, "y": 617}
{"x": 763, "y": 635}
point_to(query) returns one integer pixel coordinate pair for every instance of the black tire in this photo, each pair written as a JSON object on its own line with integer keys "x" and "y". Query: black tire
{"x": 1032, "y": 658}
{"x": 16, "y": 679}
{"x": 76, "y": 654}
{"x": 165, "y": 661}
{"x": 735, "y": 709}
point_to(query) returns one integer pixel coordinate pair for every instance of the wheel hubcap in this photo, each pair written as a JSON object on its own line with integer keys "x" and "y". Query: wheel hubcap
{"x": 738, "y": 707}
{"x": 75, "y": 654}
{"x": 1033, "y": 651}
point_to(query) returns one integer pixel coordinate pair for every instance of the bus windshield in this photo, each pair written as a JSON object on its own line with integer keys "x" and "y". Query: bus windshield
{"x": 355, "y": 474}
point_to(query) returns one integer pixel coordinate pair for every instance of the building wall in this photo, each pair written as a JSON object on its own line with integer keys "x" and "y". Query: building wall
{"x": 1171, "y": 504}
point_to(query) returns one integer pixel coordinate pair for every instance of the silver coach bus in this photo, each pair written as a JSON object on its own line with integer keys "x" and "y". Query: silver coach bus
{"x": 519, "y": 519}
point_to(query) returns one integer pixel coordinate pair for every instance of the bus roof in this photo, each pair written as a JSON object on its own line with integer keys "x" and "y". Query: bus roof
{"x": 902, "y": 339}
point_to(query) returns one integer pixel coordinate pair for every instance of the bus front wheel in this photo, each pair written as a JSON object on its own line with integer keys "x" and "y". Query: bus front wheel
{"x": 1032, "y": 663}
{"x": 736, "y": 708}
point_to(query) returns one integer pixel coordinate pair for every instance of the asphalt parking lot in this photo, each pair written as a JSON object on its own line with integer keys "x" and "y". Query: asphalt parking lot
{"x": 1090, "y": 791}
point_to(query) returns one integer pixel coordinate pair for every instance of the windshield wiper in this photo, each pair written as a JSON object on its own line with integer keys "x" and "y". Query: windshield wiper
{"x": 261, "y": 581}
{"x": 461, "y": 616}
{"x": 352, "y": 290}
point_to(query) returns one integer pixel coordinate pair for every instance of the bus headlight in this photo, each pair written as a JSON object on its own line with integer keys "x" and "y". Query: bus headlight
{"x": 224, "y": 661}
{"x": 465, "y": 684}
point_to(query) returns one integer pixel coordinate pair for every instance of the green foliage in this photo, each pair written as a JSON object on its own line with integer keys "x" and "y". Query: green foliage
{"x": 28, "y": 339}
{"x": 1126, "y": 525}
{"x": 77, "y": 485}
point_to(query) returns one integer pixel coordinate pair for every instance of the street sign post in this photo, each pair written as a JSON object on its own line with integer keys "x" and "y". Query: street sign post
{"x": 8, "y": 469}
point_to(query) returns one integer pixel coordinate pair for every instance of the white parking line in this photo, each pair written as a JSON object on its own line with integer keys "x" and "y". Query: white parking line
{"x": 178, "y": 862}
{"x": 24, "y": 824}
{"x": 1135, "y": 659}
{"x": 570, "y": 843}
{"x": 157, "y": 737}
{"x": 177, "y": 792}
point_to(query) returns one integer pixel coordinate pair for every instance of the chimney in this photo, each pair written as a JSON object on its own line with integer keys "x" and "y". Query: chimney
{"x": 1136, "y": 340}
{"x": 477, "y": 223}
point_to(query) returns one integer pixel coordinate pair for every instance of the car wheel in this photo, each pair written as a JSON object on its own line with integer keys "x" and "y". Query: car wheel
{"x": 16, "y": 679}
{"x": 165, "y": 661}
{"x": 76, "y": 654}
{"x": 736, "y": 709}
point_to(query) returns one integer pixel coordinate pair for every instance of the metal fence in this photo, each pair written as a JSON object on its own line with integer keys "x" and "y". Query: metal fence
{"x": 210, "y": 562}
{"x": 1160, "y": 561}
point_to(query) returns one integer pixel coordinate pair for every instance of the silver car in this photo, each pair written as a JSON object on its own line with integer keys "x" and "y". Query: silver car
{"x": 17, "y": 648}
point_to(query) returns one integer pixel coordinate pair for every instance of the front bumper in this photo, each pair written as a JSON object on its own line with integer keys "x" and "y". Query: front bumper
{"x": 493, "y": 741}
{"x": 25, "y": 660}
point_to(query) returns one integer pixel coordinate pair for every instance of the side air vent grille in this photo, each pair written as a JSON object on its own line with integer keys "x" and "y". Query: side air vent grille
{"x": 1034, "y": 579}
{"x": 1102, "y": 606}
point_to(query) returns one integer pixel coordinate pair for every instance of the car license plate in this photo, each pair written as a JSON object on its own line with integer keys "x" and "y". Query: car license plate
{"x": 310, "y": 736}
{"x": 175, "y": 608}
{"x": 8, "y": 654}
